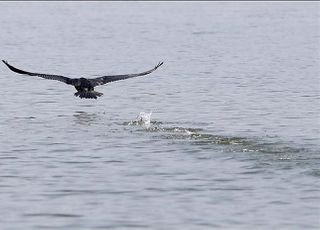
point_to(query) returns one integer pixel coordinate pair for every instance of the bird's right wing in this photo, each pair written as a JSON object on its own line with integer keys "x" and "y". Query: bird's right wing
{"x": 46, "y": 76}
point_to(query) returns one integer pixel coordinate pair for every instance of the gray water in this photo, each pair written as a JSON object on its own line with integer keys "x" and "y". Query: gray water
{"x": 233, "y": 139}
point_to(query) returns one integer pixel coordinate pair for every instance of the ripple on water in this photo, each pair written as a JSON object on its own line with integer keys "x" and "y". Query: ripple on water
{"x": 54, "y": 215}
{"x": 198, "y": 136}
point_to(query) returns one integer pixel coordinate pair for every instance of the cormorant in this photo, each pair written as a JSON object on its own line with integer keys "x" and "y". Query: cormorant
{"x": 84, "y": 86}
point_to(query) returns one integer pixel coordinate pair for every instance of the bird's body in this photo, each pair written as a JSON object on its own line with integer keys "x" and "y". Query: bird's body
{"x": 85, "y": 89}
{"x": 84, "y": 86}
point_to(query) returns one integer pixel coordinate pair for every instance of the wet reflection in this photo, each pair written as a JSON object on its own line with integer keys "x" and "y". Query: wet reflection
{"x": 84, "y": 118}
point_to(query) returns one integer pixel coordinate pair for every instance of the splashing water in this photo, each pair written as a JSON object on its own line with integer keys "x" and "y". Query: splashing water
{"x": 142, "y": 119}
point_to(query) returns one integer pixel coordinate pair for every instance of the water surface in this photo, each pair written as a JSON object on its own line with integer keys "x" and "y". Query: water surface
{"x": 232, "y": 141}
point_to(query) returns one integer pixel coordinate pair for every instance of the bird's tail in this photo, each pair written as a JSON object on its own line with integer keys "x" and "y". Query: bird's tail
{"x": 88, "y": 94}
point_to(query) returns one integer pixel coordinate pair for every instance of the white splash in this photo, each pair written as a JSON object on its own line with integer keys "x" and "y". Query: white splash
{"x": 144, "y": 118}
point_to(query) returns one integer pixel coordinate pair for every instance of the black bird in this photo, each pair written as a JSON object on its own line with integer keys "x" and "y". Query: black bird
{"x": 84, "y": 86}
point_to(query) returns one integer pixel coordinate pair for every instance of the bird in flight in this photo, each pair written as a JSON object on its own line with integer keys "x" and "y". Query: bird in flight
{"x": 84, "y": 86}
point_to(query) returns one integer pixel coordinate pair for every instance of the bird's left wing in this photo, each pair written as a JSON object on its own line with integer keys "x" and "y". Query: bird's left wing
{"x": 106, "y": 79}
{"x": 46, "y": 76}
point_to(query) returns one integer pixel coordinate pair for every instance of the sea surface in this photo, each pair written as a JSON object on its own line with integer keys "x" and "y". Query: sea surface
{"x": 224, "y": 135}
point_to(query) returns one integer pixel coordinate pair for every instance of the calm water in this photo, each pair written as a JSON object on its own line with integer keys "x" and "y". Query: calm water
{"x": 233, "y": 140}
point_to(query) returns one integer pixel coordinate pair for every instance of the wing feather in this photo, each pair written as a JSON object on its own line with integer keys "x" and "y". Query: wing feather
{"x": 106, "y": 79}
{"x": 46, "y": 76}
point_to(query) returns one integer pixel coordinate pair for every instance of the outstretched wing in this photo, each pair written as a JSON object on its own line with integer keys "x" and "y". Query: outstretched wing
{"x": 106, "y": 79}
{"x": 46, "y": 76}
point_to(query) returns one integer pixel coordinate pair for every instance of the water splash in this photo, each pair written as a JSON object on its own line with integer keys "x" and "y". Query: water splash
{"x": 143, "y": 119}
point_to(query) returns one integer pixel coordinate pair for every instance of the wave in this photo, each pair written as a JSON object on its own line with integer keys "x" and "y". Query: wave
{"x": 200, "y": 137}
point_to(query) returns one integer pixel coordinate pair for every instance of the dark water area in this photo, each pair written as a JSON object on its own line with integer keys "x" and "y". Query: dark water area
{"x": 224, "y": 135}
